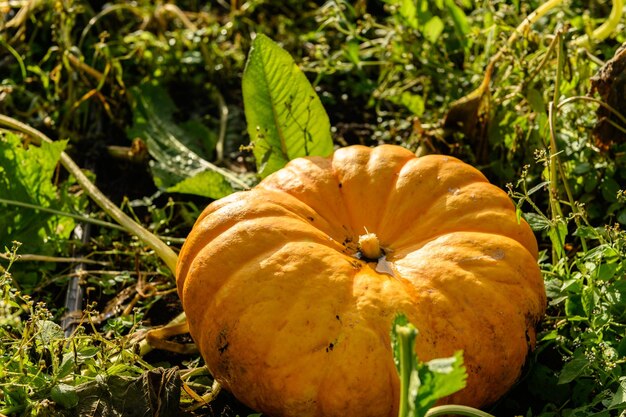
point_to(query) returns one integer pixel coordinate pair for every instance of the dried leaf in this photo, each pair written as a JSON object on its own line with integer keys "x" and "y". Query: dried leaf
{"x": 610, "y": 84}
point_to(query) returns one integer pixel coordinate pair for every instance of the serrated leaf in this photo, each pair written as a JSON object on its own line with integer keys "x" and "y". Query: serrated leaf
{"x": 47, "y": 332}
{"x": 536, "y": 221}
{"x": 440, "y": 378}
{"x": 285, "y": 117}
{"x": 26, "y": 176}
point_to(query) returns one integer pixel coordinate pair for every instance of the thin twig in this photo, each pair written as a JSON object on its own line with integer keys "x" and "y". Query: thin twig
{"x": 57, "y": 259}
{"x": 79, "y": 217}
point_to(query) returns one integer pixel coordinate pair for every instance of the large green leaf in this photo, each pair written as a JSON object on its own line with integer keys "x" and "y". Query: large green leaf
{"x": 179, "y": 150}
{"x": 285, "y": 117}
{"x": 26, "y": 176}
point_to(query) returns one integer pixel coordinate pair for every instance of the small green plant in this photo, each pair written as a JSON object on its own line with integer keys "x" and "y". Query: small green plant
{"x": 423, "y": 383}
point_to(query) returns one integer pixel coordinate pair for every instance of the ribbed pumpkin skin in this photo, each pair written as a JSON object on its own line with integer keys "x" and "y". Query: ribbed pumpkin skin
{"x": 293, "y": 324}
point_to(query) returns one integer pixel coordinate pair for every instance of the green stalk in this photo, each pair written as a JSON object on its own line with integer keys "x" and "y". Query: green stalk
{"x": 537, "y": 14}
{"x": 553, "y": 158}
{"x": 605, "y": 29}
{"x": 406, "y": 341}
{"x": 12, "y": 410}
{"x": 162, "y": 250}
{"x": 596, "y": 101}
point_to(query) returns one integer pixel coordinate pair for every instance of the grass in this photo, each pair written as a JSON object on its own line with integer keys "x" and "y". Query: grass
{"x": 386, "y": 73}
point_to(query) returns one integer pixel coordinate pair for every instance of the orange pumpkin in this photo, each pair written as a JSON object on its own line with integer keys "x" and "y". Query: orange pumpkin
{"x": 292, "y": 314}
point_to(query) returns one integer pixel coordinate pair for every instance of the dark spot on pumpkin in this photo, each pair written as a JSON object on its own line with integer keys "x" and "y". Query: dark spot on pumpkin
{"x": 340, "y": 185}
{"x": 330, "y": 347}
{"x": 356, "y": 265}
{"x": 311, "y": 219}
{"x": 337, "y": 317}
{"x": 222, "y": 341}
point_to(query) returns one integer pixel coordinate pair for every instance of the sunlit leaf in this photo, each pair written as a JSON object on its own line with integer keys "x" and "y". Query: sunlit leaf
{"x": 408, "y": 11}
{"x": 440, "y": 378}
{"x": 433, "y": 29}
{"x": 285, "y": 117}
{"x": 461, "y": 24}
{"x": 26, "y": 175}
{"x": 206, "y": 183}
{"x": 426, "y": 382}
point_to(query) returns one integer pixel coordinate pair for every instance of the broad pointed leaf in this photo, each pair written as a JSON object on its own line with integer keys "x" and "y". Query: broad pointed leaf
{"x": 285, "y": 117}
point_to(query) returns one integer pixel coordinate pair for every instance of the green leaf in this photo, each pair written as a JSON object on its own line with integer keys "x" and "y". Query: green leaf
{"x": 609, "y": 188}
{"x": 206, "y": 183}
{"x": 440, "y": 378}
{"x": 422, "y": 384}
{"x": 179, "y": 150}
{"x": 352, "y": 49}
{"x": 537, "y": 187}
{"x": 535, "y": 99}
{"x": 64, "y": 395}
{"x": 48, "y": 331}
{"x": 433, "y": 29}
{"x": 605, "y": 272}
{"x": 412, "y": 102}
{"x": 408, "y": 11}
{"x": 574, "y": 368}
{"x": 619, "y": 397}
{"x": 536, "y": 221}
{"x": 557, "y": 234}
{"x": 285, "y": 116}
{"x": 26, "y": 176}
{"x": 582, "y": 168}
{"x": 461, "y": 25}
{"x": 589, "y": 299}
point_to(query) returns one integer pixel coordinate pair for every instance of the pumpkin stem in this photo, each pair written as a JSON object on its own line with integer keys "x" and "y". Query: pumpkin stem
{"x": 370, "y": 246}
